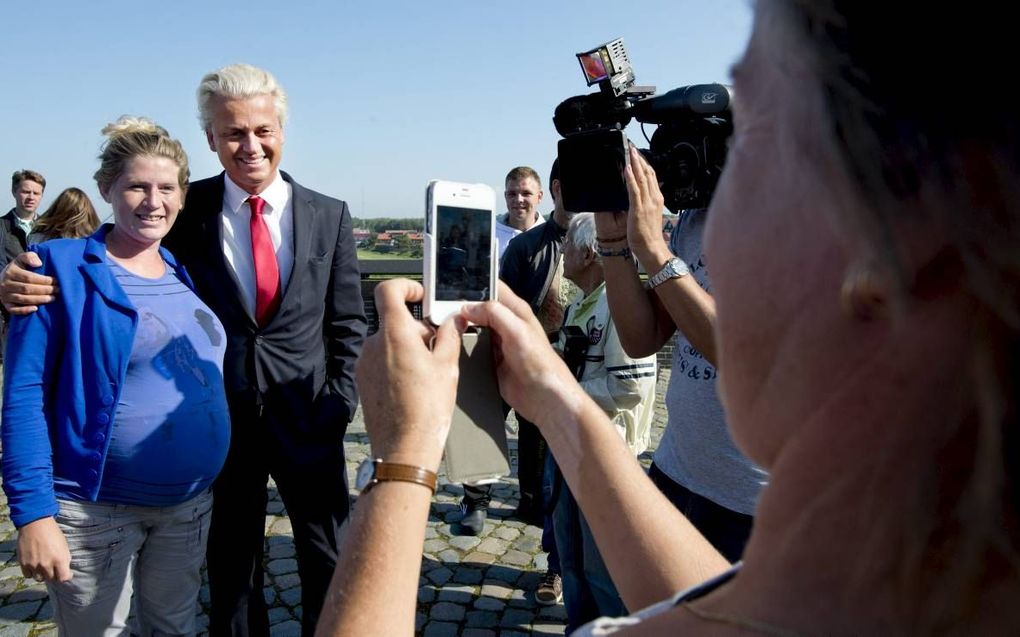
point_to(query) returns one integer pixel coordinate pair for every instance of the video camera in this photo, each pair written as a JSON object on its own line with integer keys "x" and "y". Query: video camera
{"x": 687, "y": 149}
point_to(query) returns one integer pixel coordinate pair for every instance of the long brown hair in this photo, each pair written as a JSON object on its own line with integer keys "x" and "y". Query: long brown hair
{"x": 70, "y": 216}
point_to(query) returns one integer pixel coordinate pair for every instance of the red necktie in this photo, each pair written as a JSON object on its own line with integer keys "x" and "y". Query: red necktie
{"x": 267, "y": 271}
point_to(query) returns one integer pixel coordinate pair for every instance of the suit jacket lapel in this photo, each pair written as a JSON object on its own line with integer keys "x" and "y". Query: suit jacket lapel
{"x": 306, "y": 220}
{"x": 212, "y": 230}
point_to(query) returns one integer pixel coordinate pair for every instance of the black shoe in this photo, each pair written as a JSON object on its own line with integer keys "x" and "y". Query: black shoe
{"x": 474, "y": 517}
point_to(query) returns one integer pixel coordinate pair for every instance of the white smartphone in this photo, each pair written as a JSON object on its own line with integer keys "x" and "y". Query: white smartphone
{"x": 460, "y": 264}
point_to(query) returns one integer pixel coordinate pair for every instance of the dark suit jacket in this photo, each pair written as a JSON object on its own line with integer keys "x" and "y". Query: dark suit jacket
{"x": 13, "y": 237}
{"x": 301, "y": 365}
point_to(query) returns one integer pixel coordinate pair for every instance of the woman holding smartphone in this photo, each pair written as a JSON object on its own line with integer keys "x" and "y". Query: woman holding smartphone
{"x": 115, "y": 421}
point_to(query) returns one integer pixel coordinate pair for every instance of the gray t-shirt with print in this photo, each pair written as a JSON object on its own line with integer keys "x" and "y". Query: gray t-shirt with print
{"x": 696, "y": 450}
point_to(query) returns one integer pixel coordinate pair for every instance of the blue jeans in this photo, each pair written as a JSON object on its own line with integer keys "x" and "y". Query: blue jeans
{"x": 588, "y": 590}
{"x": 117, "y": 551}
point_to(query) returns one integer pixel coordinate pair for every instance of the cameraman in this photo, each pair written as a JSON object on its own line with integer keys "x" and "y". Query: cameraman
{"x": 696, "y": 464}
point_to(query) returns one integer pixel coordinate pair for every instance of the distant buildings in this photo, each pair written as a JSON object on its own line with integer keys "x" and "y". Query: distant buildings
{"x": 389, "y": 240}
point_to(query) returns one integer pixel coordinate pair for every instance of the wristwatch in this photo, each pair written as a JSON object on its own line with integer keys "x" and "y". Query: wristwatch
{"x": 675, "y": 268}
{"x": 372, "y": 472}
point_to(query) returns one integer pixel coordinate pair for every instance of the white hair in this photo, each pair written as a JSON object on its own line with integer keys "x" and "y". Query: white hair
{"x": 239, "y": 81}
{"x": 581, "y": 233}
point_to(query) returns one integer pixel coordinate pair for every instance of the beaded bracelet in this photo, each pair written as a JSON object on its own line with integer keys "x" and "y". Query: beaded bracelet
{"x": 622, "y": 252}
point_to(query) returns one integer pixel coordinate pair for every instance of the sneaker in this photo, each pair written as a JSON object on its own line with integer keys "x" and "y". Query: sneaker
{"x": 473, "y": 520}
{"x": 550, "y": 589}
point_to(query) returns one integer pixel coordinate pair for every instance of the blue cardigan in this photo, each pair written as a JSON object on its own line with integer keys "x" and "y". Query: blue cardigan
{"x": 63, "y": 372}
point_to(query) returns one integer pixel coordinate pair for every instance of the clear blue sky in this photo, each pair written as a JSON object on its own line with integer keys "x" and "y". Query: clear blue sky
{"x": 384, "y": 95}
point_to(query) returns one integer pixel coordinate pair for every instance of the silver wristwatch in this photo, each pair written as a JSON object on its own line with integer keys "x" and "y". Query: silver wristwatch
{"x": 674, "y": 269}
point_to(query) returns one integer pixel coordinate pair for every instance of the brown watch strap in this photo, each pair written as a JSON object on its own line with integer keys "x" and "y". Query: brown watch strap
{"x": 390, "y": 471}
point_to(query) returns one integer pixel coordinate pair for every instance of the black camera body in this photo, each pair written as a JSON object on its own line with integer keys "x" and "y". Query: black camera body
{"x": 687, "y": 149}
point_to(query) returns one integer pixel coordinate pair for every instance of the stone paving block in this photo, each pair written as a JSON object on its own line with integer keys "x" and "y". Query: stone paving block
{"x": 468, "y": 576}
{"x": 8, "y": 586}
{"x": 282, "y": 527}
{"x": 477, "y": 632}
{"x": 287, "y": 580}
{"x": 475, "y": 557}
{"x": 278, "y": 551}
{"x": 274, "y": 508}
{"x": 447, "y": 611}
{"x": 464, "y": 542}
{"x": 10, "y": 572}
{"x": 517, "y": 558}
{"x": 426, "y": 594}
{"x": 290, "y": 628}
{"x": 517, "y": 618}
{"x": 507, "y": 533}
{"x": 435, "y": 546}
{"x": 35, "y": 593}
{"x": 18, "y": 612}
{"x": 556, "y": 611}
{"x": 419, "y": 621}
{"x": 440, "y": 629}
{"x": 280, "y": 567}
{"x": 547, "y": 628}
{"x": 512, "y": 633}
{"x": 541, "y": 563}
{"x": 481, "y": 619}
{"x": 449, "y": 556}
{"x": 17, "y": 630}
{"x": 533, "y": 531}
{"x": 521, "y": 598}
{"x": 528, "y": 544}
{"x": 489, "y": 603}
{"x": 440, "y": 575}
{"x": 503, "y": 573}
{"x": 291, "y": 597}
{"x": 45, "y": 613}
{"x": 457, "y": 594}
{"x": 279, "y": 615}
{"x": 493, "y": 545}
{"x": 496, "y": 589}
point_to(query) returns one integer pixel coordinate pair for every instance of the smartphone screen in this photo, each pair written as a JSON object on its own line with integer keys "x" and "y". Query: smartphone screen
{"x": 591, "y": 171}
{"x": 463, "y": 254}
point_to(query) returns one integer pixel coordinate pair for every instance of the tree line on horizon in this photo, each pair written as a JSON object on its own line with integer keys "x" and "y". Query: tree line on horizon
{"x": 382, "y": 224}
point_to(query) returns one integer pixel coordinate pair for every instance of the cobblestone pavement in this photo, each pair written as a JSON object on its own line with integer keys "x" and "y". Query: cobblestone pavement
{"x": 471, "y": 586}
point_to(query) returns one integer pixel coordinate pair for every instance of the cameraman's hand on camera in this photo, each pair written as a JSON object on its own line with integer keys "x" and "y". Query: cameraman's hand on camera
{"x": 644, "y": 218}
{"x": 533, "y": 378}
{"x": 407, "y": 379}
{"x": 23, "y": 291}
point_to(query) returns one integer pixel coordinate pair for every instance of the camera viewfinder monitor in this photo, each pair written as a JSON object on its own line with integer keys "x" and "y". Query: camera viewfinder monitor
{"x": 594, "y": 66}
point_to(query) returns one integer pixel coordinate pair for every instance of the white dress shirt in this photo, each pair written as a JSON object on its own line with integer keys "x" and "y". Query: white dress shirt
{"x": 236, "y": 218}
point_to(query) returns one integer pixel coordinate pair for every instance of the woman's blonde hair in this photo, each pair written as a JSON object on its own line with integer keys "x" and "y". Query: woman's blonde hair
{"x": 131, "y": 137}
